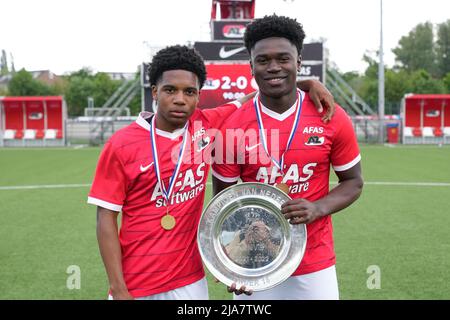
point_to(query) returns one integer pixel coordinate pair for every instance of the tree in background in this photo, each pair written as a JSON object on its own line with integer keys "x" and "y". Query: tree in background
{"x": 135, "y": 104}
{"x": 417, "y": 50}
{"x": 13, "y": 68}
{"x": 423, "y": 67}
{"x": 83, "y": 84}
{"x": 422, "y": 82}
{"x": 443, "y": 49}
{"x": 23, "y": 84}
{"x": 446, "y": 81}
{"x": 76, "y": 87}
{"x": 4, "y": 64}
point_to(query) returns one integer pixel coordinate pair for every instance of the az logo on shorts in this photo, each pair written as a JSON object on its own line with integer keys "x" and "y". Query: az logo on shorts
{"x": 315, "y": 141}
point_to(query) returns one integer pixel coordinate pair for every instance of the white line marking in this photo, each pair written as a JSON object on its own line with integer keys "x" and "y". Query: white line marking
{"x": 45, "y": 186}
{"x": 408, "y": 184}
{"x": 375, "y": 183}
{"x": 80, "y": 146}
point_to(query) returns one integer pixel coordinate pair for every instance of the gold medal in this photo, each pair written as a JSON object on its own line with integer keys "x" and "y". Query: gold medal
{"x": 168, "y": 222}
{"x": 283, "y": 187}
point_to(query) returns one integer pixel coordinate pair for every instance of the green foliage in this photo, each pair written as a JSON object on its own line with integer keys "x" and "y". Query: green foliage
{"x": 76, "y": 87}
{"x": 417, "y": 50}
{"x": 443, "y": 48}
{"x": 424, "y": 67}
{"x": 446, "y": 81}
{"x": 83, "y": 84}
{"x": 3, "y": 64}
{"x": 136, "y": 104}
{"x": 422, "y": 82}
{"x": 397, "y": 84}
{"x": 23, "y": 84}
{"x": 79, "y": 89}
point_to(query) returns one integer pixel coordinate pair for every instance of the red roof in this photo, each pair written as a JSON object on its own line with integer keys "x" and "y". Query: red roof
{"x": 39, "y": 98}
{"x": 428, "y": 96}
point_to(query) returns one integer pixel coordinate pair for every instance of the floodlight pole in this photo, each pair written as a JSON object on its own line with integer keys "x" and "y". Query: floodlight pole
{"x": 381, "y": 80}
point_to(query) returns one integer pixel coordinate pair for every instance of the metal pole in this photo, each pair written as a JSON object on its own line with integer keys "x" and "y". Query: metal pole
{"x": 381, "y": 79}
{"x": 90, "y": 101}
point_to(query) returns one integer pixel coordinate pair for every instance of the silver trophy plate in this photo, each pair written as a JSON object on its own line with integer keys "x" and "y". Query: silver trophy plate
{"x": 244, "y": 238}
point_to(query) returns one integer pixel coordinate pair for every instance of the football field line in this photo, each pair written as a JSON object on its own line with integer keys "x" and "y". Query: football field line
{"x": 406, "y": 184}
{"x": 46, "y": 186}
{"x": 375, "y": 183}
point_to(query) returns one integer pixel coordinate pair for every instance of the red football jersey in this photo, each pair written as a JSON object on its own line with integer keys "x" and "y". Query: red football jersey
{"x": 314, "y": 147}
{"x": 155, "y": 260}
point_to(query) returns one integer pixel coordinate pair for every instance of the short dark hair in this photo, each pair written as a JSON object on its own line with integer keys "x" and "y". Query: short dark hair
{"x": 274, "y": 26}
{"x": 177, "y": 58}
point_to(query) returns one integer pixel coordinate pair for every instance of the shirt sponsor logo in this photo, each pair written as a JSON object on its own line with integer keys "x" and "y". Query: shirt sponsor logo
{"x": 296, "y": 177}
{"x": 36, "y": 116}
{"x": 313, "y": 130}
{"x": 433, "y": 113}
{"x": 189, "y": 184}
{"x": 293, "y": 174}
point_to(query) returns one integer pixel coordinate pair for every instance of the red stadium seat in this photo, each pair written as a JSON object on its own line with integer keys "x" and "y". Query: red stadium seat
{"x": 417, "y": 132}
{"x": 438, "y": 132}
{"x": 40, "y": 134}
{"x": 59, "y": 134}
{"x": 19, "y": 134}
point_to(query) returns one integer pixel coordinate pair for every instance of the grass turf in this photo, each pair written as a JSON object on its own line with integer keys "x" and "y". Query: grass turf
{"x": 403, "y": 230}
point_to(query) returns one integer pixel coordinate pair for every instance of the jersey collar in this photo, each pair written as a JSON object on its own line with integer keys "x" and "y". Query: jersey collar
{"x": 142, "y": 122}
{"x": 284, "y": 115}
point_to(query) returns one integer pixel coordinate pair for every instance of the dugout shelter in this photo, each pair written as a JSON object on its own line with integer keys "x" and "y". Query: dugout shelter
{"x": 426, "y": 119}
{"x": 32, "y": 121}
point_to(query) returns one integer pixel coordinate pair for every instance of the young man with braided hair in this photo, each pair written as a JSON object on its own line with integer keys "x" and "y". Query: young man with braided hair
{"x": 155, "y": 171}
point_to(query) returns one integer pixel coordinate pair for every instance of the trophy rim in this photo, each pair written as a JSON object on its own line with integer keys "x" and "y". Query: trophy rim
{"x": 226, "y": 270}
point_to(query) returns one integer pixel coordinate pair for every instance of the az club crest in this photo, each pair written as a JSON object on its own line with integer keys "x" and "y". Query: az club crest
{"x": 203, "y": 143}
{"x": 315, "y": 141}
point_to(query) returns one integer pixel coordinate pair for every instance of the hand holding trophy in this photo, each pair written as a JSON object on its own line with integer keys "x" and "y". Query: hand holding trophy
{"x": 244, "y": 239}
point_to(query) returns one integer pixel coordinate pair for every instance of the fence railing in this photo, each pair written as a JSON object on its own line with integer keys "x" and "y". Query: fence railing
{"x": 78, "y": 129}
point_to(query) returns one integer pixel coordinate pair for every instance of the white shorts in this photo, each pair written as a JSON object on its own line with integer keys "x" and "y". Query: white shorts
{"x": 320, "y": 285}
{"x": 194, "y": 291}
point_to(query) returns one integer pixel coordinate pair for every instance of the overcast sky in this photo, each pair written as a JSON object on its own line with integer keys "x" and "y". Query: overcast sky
{"x": 112, "y": 35}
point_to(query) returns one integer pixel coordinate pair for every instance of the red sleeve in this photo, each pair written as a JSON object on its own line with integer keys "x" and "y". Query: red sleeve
{"x": 345, "y": 151}
{"x": 109, "y": 186}
{"x": 216, "y": 116}
{"x": 225, "y": 166}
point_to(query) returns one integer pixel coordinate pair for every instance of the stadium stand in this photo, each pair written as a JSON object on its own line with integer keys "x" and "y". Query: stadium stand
{"x": 426, "y": 119}
{"x": 32, "y": 121}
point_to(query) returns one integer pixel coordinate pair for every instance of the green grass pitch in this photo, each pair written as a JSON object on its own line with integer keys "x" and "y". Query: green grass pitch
{"x": 402, "y": 229}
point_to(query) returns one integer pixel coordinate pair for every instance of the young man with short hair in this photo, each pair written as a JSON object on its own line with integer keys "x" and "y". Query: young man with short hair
{"x": 294, "y": 150}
